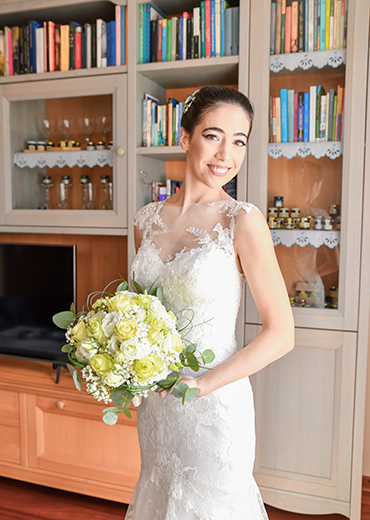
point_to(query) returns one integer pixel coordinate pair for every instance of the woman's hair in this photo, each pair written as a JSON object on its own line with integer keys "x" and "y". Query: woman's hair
{"x": 210, "y": 97}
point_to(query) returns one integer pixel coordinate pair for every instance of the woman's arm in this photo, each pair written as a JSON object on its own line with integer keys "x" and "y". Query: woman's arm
{"x": 257, "y": 260}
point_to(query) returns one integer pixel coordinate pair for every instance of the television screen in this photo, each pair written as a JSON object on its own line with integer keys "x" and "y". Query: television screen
{"x": 36, "y": 282}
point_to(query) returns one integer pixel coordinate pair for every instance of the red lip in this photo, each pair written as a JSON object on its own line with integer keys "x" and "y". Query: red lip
{"x": 219, "y": 174}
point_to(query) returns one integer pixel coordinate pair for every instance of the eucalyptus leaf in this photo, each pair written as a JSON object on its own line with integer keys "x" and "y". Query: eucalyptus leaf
{"x": 159, "y": 293}
{"x": 192, "y": 361}
{"x": 179, "y": 390}
{"x": 127, "y": 413}
{"x": 63, "y": 319}
{"x": 191, "y": 393}
{"x": 74, "y": 373}
{"x": 110, "y": 418}
{"x": 121, "y": 397}
{"x": 152, "y": 290}
{"x": 191, "y": 348}
{"x": 122, "y": 286}
{"x": 72, "y": 308}
{"x": 112, "y": 409}
{"x": 208, "y": 356}
{"x": 138, "y": 287}
{"x": 66, "y": 348}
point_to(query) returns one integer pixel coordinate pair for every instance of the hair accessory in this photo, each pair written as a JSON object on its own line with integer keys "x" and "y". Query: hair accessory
{"x": 189, "y": 100}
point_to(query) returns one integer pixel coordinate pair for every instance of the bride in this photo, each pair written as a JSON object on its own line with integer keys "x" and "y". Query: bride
{"x": 201, "y": 246}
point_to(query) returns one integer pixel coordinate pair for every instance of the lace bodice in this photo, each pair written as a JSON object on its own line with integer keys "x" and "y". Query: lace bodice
{"x": 197, "y": 458}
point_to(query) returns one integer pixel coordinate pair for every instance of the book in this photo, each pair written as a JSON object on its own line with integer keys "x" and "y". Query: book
{"x": 64, "y": 47}
{"x": 168, "y": 39}
{"x": 189, "y": 39}
{"x": 101, "y": 43}
{"x": 153, "y": 41}
{"x": 341, "y": 115}
{"x": 26, "y": 49}
{"x": 218, "y": 27}
{"x": 274, "y": 135}
{"x": 278, "y": 49}
{"x": 294, "y": 35}
{"x": 296, "y": 117}
{"x": 196, "y": 32}
{"x": 300, "y": 115}
{"x": 278, "y": 120}
{"x": 284, "y": 115}
{"x": 322, "y": 128}
{"x": 78, "y": 47}
{"x": 123, "y": 35}
{"x": 311, "y": 21}
{"x": 119, "y": 35}
{"x": 213, "y": 28}
{"x": 174, "y": 37}
{"x": 338, "y": 24}
{"x": 301, "y": 25}
{"x": 15, "y": 42}
{"x": 31, "y": 45}
{"x": 158, "y": 56}
{"x": 327, "y": 25}
{"x": 272, "y": 28}
{"x": 322, "y": 24}
{"x": 40, "y": 59}
{"x": 283, "y": 26}
{"x": 312, "y": 127}
{"x": 290, "y": 115}
{"x": 235, "y": 30}
{"x": 88, "y": 46}
{"x": 113, "y": 43}
{"x": 228, "y": 32}
{"x": 316, "y": 21}
{"x": 330, "y": 109}
{"x": 306, "y": 117}
{"x": 207, "y": 15}
{"x": 202, "y": 29}
{"x": 72, "y": 57}
{"x": 57, "y": 49}
{"x": 50, "y": 38}
{"x": 271, "y": 134}
{"x": 319, "y": 93}
{"x": 164, "y": 40}
{"x": 2, "y": 53}
{"x": 331, "y": 24}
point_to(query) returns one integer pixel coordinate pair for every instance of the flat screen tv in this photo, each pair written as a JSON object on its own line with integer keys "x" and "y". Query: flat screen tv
{"x": 36, "y": 282}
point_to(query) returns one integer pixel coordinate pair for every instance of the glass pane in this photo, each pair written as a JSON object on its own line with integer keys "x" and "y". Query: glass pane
{"x": 62, "y": 153}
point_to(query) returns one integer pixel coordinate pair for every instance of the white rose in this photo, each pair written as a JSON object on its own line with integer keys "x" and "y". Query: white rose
{"x": 140, "y": 315}
{"x": 114, "y": 344}
{"x": 109, "y": 323}
{"x": 158, "y": 309}
{"x": 112, "y": 379}
{"x": 85, "y": 351}
{"x": 130, "y": 349}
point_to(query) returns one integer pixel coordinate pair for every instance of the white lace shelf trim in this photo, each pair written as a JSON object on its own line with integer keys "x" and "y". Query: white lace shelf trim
{"x": 64, "y": 159}
{"x": 302, "y": 237}
{"x": 307, "y": 60}
{"x": 331, "y": 149}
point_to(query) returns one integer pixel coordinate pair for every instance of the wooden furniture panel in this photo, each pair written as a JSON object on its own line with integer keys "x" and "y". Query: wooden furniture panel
{"x": 9, "y": 427}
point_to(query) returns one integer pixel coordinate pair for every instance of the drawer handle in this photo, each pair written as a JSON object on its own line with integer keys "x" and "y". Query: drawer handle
{"x": 60, "y": 405}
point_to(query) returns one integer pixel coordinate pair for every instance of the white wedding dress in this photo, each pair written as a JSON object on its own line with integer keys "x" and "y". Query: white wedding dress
{"x": 197, "y": 458}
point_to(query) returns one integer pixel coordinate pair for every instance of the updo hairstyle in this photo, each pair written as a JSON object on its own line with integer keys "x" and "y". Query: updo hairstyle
{"x": 210, "y": 97}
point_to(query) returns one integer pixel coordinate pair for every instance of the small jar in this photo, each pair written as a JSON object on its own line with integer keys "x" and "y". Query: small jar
{"x": 295, "y": 213}
{"x": 279, "y": 202}
{"x": 338, "y": 224}
{"x": 66, "y": 180}
{"x": 304, "y": 223}
{"x": 279, "y": 223}
{"x": 32, "y": 145}
{"x": 296, "y": 222}
{"x": 333, "y": 211}
{"x": 272, "y": 222}
{"x": 49, "y": 145}
{"x": 90, "y": 146}
{"x": 46, "y": 180}
{"x": 284, "y": 212}
{"x": 328, "y": 223}
{"x": 71, "y": 143}
{"x": 333, "y": 294}
{"x": 272, "y": 212}
{"x": 84, "y": 179}
{"x": 318, "y": 222}
{"x": 62, "y": 144}
{"x": 41, "y": 146}
{"x": 289, "y": 224}
{"x": 100, "y": 145}
{"x": 104, "y": 179}
{"x": 110, "y": 145}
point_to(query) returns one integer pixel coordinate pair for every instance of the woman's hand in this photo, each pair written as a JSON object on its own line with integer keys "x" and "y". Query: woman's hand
{"x": 192, "y": 382}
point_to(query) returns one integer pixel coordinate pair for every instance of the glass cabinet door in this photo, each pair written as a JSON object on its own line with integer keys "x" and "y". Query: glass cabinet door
{"x": 304, "y": 171}
{"x": 63, "y": 149}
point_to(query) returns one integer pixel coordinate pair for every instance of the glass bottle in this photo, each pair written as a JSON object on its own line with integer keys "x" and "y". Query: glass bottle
{"x": 46, "y": 184}
{"x": 107, "y": 187}
{"x": 88, "y": 193}
{"x": 63, "y": 192}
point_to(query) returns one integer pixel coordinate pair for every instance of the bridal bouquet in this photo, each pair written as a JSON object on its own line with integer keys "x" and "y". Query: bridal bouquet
{"x": 125, "y": 344}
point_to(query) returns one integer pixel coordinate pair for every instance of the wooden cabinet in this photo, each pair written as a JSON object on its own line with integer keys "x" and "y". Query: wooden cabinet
{"x": 50, "y": 434}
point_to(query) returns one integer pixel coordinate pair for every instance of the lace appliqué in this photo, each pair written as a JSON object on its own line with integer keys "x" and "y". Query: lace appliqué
{"x": 149, "y": 217}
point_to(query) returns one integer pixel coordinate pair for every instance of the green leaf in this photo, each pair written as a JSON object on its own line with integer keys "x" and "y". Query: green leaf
{"x": 121, "y": 397}
{"x": 72, "y": 308}
{"x": 138, "y": 287}
{"x": 63, "y": 319}
{"x": 208, "y": 356}
{"x": 191, "y": 393}
{"x": 179, "y": 390}
{"x": 122, "y": 286}
{"x": 67, "y": 348}
{"x": 159, "y": 293}
{"x": 74, "y": 373}
{"x": 193, "y": 363}
{"x": 127, "y": 413}
{"x": 191, "y": 348}
{"x": 112, "y": 409}
{"x": 152, "y": 290}
{"x": 110, "y": 418}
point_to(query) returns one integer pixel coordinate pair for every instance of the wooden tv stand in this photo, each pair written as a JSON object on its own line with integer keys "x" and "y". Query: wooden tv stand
{"x": 53, "y": 435}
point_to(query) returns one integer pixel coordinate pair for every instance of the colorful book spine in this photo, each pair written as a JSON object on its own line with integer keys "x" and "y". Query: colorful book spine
{"x": 296, "y": 117}
{"x": 123, "y": 35}
{"x": 196, "y": 32}
{"x": 78, "y": 48}
{"x": 312, "y": 113}
{"x": 294, "y": 35}
{"x": 284, "y": 115}
{"x": 274, "y": 120}
{"x": 278, "y": 121}
{"x": 322, "y": 24}
{"x": 306, "y": 117}
{"x": 278, "y": 49}
{"x": 213, "y": 28}
{"x": 301, "y": 25}
{"x": 272, "y": 27}
{"x": 218, "y": 27}
{"x": 290, "y": 115}
{"x": 300, "y": 115}
{"x": 208, "y": 27}
{"x": 283, "y": 25}
{"x": 203, "y": 29}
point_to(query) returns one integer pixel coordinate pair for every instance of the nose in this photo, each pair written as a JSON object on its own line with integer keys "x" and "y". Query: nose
{"x": 223, "y": 151}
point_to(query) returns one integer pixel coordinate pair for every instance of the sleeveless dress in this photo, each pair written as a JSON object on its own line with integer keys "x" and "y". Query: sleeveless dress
{"x": 197, "y": 458}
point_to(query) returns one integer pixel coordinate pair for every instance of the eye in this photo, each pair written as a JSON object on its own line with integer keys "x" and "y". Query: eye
{"x": 211, "y": 137}
{"x": 240, "y": 142}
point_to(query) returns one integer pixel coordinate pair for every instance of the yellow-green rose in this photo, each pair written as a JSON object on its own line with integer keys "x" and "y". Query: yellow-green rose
{"x": 173, "y": 342}
{"x": 126, "y": 329}
{"x": 101, "y": 364}
{"x": 119, "y": 357}
{"x": 95, "y": 330}
{"x": 143, "y": 300}
{"x": 119, "y": 302}
{"x": 147, "y": 367}
{"x": 98, "y": 304}
{"x": 129, "y": 349}
{"x": 170, "y": 313}
{"x": 78, "y": 333}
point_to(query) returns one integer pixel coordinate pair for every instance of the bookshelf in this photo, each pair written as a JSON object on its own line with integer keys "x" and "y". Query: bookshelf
{"x": 308, "y": 459}
{"x": 309, "y": 405}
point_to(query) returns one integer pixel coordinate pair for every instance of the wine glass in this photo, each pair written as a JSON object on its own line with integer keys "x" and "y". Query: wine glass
{"x": 87, "y": 125}
{"x": 104, "y": 124}
{"x": 46, "y": 127}
{"x": 65, "y": 126}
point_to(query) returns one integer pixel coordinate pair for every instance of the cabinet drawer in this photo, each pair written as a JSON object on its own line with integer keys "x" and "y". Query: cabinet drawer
{"x": 70, "y": 437}
{"x": 9, "y": 427}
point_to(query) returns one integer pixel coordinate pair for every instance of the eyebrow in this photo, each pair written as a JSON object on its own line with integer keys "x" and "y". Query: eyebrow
{"x": 215, "y": 128}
